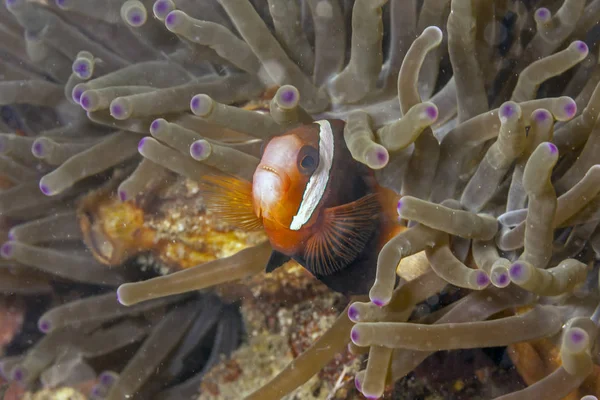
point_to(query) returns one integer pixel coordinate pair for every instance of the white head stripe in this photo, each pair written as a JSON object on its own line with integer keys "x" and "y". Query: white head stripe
{"x": 315, "y": 188}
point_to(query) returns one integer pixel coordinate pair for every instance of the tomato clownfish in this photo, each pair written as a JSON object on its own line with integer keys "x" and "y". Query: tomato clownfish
{"x": 316, "y": 204}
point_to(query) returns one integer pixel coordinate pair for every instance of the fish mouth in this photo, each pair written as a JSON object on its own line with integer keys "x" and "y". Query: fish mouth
{"x": 269, "y": 188}
{"x": 267, "y": 168}
{"x": 284, "y": 179}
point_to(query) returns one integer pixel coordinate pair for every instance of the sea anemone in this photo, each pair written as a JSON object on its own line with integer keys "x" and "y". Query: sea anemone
{"x": 483, "y": 116}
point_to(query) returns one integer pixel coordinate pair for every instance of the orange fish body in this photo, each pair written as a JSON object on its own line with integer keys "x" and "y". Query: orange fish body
{"x": 316, "y": 204}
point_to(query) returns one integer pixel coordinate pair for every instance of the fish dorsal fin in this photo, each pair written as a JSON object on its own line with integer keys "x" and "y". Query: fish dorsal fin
{"x": 345, "y": 231}
{"x": 276, "y": 260}
{"x": 230, "y": 199}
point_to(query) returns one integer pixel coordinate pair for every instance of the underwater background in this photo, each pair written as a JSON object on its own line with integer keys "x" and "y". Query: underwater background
{"x": 467, "y": 271}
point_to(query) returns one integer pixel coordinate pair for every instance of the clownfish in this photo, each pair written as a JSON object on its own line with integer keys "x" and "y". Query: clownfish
{"x": 317, "y": 205}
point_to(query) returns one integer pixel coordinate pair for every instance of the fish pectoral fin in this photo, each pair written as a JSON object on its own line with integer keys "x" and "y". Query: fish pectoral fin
{"x": 230, "y": 199}
{"x": 276, "y": 260}
{"x": 345, "y": 232}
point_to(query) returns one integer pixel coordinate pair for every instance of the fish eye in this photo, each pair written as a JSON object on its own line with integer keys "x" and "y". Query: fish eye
{"x": 308, "y": 159}
{"x": 307, "y": 162}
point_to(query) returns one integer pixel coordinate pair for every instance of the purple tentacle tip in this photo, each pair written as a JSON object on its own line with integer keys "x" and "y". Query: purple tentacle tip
{"x": 357, "y": 384}
{"x": 171, "y": 18}
{"x": 582, "y": 47}
{"x": 382, "y": 156}
{"x": 122, "y": 195}
{"x": 6, "y": 250}
{"x": 106, "y": 379}
{"x": 377, "y": 302}
{"x": 81, "y": 68}
{"x": 432, "y": 112}
{"x": 571, "y": 109}
{"x": 354, "y": 335}
{"x": 197, "y": 149}
{"x": 116, "y": 110}
{"x": 77, "y": 95}
{"x": 576, "y": 336}
{"x": 84, "y": 101}
{"x": 507, "y": 110}
{"x": 44, "y": 326}
{"x": 503, "y": 279}
{"x": 160, "y": 6}
{"x": 18, "y": 374}
{"x": 154, "y": 125}
{"x": 135, "y": 18}
{"x": 96, "y": 391}
{"x": 288, "y": 96}
{"x": 516, "y": 270}
{"x": 482, "y": 279}
{"x": 141, "y": 144}
{"x": 119, "y": 295}
{"x": 552, "y": 148}
{"x": 399, "y": 206}
{"x": 45, "y": 189}
{"x": 37, "y": 149}
{"x": 541, "y": 115}
{"x": 11, "y": 235}
{"x": 377, "y": 157}
{"x": 542, "y": 13}
{"x": 353, "y": 313}
{"x": 195, "y": 103}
